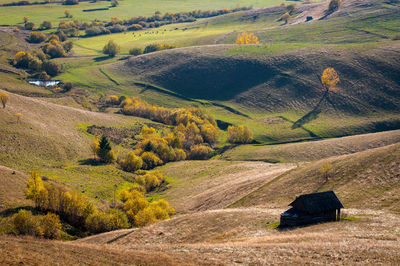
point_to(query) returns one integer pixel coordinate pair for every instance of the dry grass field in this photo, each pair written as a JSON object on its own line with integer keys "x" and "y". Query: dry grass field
{"x": 247, "y": 236}
{"x": 368, "y": 179}
{"x": 205, "y": 185}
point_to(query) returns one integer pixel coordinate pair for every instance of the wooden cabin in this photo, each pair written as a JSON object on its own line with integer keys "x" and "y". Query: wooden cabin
{"x": 312, "y": 208}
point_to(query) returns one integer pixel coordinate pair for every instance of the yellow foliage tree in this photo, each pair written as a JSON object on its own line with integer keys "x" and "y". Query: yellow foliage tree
{"x": 286, "y": 17}
{"x": 51, "y": 226}
{"x": 247, "y": 38}
{"x": 35, "y": 190}
{"x": 329, "y": 78}
{"x": 131, "y": 162}
{"x": 239, "y": 134}
{"x": 4, "y": 97}
{"x": 18, "y": 117}
{"x": 95, "y": 146}
{"x": 325, "y": 170}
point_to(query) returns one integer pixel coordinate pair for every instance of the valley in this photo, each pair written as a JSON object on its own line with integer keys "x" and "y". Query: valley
{"x": 176, "y": 186}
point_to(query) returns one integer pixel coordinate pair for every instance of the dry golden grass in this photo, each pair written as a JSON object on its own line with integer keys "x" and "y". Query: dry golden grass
{"x": 243, "y": 235}
{"x": 368, "y": 179}
{"x": 31, "y": 251}
{"x": 12, "y": 188}
{"x": 205, "y": 185}
{"x": 314, "y": 150}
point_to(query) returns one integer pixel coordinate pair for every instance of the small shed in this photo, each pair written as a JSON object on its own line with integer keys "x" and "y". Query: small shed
{"x": 312, "y": 208}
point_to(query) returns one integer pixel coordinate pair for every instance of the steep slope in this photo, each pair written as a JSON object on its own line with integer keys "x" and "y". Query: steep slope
{"x": 12, "y": 188}
{"x": 276, "y": 83}
{"x": 368, "y": 179}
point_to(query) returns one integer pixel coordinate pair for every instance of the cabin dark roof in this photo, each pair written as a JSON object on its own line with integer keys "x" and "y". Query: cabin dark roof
{"x": 317, "y": 202}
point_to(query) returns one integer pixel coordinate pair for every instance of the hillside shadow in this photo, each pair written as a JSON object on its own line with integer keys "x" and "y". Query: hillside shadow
{"x": 312, "y": 115}
{"x": 101, "y": 58}
{"x": 312, "y": 134}
{"x": 216, "y": 79}
{"x": 12, "y": 211}
{"x": 92, "y": 162}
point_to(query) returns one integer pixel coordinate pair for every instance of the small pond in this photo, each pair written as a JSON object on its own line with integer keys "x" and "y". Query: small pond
{"x": 44, "y": 83}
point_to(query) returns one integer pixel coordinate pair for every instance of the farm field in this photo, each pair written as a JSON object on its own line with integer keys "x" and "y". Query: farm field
{"x": 188, "y": 152}
{"x": 126, "y": 9}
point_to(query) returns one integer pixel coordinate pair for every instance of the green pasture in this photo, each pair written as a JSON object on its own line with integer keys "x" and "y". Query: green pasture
{"x": 126, "y": 9}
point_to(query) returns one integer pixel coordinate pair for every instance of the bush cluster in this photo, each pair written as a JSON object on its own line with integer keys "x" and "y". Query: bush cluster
{"x": 36, "y": 37}
{"x": 140, "y": 212}
{"x": 37, "y": 62}
{"x": 47, "y": 226}
{"x": 78, "y": 211}
{"x": 193, "y": 136}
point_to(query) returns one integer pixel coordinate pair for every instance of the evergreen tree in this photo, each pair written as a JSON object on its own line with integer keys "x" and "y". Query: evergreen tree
{"x": 105, "y": 153}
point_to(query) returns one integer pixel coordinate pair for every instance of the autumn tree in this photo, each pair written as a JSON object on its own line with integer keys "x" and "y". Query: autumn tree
{"x": 247, "y": 38}
{"x": 18, "y": 117}
{"x": 329, "y": 79}
{"x": 105, "y": 153}
{"x": 325, "y": 170}
{"x": 94, "y": 147}
{"x": 111, "y": 48}
{"x": 35, "y": 190}
{"x": 286, "y": 17}
{"x": 131, "y": 162}
{"x": 239, "y": 134}
{"x": 112, "y": 99}
{"x": 51, "y": 226}
{"x": 4, "y": 97}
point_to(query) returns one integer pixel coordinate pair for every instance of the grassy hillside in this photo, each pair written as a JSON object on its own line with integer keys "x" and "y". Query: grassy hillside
{"x": 53, "y": 139}
{"x": 12, "y": 188}
{"x": 247, "y": 236}
{"x": 368, "y": 179}
{"x": 272, "y": 87}
{"x": 205, "y": 185}
{"x": 310, "y": 151}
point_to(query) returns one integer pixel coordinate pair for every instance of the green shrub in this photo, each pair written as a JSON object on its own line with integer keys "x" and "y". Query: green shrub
{"x": 36, "y": 37}
{"x": 45, "y": 25}
{"x": 111, "y": 49}
{"x": 136, "y": 51}
{"x": 334, "y": 5}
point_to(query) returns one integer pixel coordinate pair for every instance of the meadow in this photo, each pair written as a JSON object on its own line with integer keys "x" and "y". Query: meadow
{"x": 11, "y": 15}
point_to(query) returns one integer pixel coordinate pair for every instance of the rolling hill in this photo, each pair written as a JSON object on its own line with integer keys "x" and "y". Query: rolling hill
{"x": 367, "y": 179}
